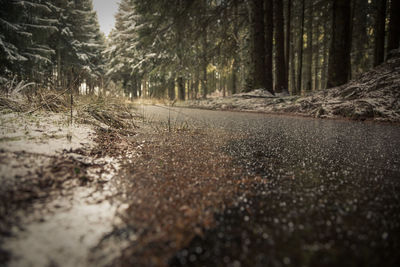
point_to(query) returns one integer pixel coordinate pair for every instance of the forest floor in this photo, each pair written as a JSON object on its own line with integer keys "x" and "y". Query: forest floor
{"x": 375, "y": 95}
{"x": 107, "y": 188}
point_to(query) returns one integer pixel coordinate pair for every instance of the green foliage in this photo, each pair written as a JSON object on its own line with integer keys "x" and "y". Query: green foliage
{"x": 38, "y": 36}
{"x": 24, "y": 29}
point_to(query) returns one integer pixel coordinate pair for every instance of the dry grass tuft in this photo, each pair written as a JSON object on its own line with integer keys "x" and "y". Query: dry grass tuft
{"x": 112, "y": 113}
{"x": 51, "y": 101}
{"x": 7, "y": 103}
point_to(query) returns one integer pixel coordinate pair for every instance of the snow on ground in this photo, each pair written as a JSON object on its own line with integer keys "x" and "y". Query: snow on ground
{"x": 45, "y": 133}
{"x": 54, "y": 206}
{"x": 375, "y": 95}
{"x": 30, "y": 140}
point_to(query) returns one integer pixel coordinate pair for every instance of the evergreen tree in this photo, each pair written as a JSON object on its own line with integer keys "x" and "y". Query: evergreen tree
{"x": 78, "y": 43}
{"x": 24, "y": 32}
{"x": 193, "y": 48}
{"x": 38, "y": 35}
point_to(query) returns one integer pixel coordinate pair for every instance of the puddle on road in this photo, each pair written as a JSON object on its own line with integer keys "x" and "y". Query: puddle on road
{"x": 66, "y": 234}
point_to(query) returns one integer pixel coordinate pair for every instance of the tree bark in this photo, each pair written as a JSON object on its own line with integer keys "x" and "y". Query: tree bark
{"x": 339, "y": 59}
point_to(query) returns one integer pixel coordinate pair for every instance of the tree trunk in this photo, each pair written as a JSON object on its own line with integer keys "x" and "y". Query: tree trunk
{"x": 288, "y": 44}
{"x": 339, "y": 59}
{"x": 292, "y": 68}
{"x": 308, "y": 85}
{"x": 235, "y": 65}
{"x": 189, "y": 89}
{"x": 326, "y": 41}
{"x": 281, "y": 77}
{"x": 181, "y": 88}
{"x": 222, "y": 84}
{"x": 139, "y": 86}
{"x": 204, "y": 85}
{"x": 171, "y": 88}
{"x": 257, "y": 25}
{"x": 394, "y": 26}
{"x": 379, "y": 54}
{"x": 144, "y": 87}
{"x": 360, "y": 37}
{"x": 196, "y": 83}
{"x": 268, "y": 46}
{"x": 300, "y": 55}
{"x": 352, "y": 14}
{"x": 316, "y": 55}
{"x": 135, "y": 89}
{"x": 180, "y": 53}
{"x": 234, "y": 77}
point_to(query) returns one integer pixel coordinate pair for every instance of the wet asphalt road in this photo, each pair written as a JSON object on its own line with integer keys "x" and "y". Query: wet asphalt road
{"x": 331, "y": 197}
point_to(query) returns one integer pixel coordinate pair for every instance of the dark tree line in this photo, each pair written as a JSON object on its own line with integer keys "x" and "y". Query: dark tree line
{"x": 188, "y": 49}
{"x": 55, "y": 43}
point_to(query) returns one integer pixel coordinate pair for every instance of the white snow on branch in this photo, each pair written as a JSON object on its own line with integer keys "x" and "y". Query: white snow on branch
{"x": 27, "y": 4}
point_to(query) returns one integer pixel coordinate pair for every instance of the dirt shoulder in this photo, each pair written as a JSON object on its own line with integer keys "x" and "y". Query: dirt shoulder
{"x": 55, "y": 177}
{"x": 112, "y": 188}
{"x": 375, "y": 95}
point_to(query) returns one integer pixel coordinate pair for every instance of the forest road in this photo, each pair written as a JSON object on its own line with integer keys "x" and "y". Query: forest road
{"x": 332, "y": 195}
{"x": 196, "y": 187}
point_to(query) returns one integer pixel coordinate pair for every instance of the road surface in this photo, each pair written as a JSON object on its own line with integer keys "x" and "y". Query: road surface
{"x": 212, "y": 188}
{"x": 332, "y": 196}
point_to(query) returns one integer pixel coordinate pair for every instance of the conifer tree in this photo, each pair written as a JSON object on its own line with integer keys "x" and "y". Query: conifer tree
{"x": 23, "y": 38}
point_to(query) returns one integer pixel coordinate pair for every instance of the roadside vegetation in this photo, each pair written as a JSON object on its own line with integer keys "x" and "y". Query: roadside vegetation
{"x": 100, "y": 164}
